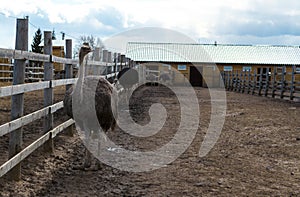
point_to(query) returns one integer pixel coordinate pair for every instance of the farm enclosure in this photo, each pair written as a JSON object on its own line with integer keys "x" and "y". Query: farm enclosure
{"x": 256, "y": 154}
{"x": 14, "y": 128}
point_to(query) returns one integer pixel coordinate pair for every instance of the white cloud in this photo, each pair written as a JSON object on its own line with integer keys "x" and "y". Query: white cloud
{"x": 213, "y": 19}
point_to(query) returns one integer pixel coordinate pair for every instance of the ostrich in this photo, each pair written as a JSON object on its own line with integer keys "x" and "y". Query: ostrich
{"x": 128, "y": 77}
{"x": 105, "y": 104}
{"x": 165, "y": 78}
{"x": 152, "y": 78}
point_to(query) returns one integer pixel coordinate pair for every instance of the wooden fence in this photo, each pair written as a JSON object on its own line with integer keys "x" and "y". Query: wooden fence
{"x": 14, "y": 128}
{"x": 276, "y": 82}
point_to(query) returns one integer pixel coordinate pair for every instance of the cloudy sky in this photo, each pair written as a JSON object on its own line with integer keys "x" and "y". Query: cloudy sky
{"x": 274, "y": 22}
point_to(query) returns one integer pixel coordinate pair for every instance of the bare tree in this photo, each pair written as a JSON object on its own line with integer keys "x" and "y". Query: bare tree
{"x": 91, "y": 40}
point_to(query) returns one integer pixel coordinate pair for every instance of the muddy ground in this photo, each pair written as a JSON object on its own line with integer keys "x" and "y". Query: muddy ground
{"x": 257, "y": 154}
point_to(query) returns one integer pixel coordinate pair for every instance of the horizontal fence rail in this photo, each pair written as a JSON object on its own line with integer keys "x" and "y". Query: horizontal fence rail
{"x": 277, "y": 82}
{"x": 21, "y": 66}
{"x": 23, "y": 88}
{"x": 32, "y": 147}
{"x": 24, "y": 120}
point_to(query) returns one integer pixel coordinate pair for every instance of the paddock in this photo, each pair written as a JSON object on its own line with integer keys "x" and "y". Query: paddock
{"x": 257, "y": 154}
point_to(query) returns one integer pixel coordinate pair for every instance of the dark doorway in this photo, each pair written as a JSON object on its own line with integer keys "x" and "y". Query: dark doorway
{"x": 195, "y": 76}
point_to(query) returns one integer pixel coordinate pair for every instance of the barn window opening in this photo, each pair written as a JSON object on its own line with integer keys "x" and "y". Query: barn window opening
{"x": 227, "y": 68}
{"x": 247, "y": 68}
{"x": 181, "y": 67}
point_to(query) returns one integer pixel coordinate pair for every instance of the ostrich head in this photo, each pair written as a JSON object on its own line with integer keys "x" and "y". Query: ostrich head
{"x": 85, "y": 49}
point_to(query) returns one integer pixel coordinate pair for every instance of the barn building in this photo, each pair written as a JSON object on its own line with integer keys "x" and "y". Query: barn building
{"x": 189, "y": 59}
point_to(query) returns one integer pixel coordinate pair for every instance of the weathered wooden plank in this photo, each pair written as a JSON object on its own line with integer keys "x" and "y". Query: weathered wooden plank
{"x": 105, "y": 55}
{"x": 25, "y": 55}
{"x": 64, "y": 60}
{"x": 22, "y": 88}
{"x": 274, "y": 85}
{"x": 61, "y": 82}
{"x": 109, "y": 57}
{"x": 260, "y": 85}
{"x": 236, "y": 81}
{"x": 98, "y": 63}
{"x": 267, "y": 83}
{"x": 292, "y": 89}
{"x": 14, "y": 161}
{"x": 32, "y": 147}
{"x": 62, "y": 127}
{"x": 248, "y": 82}
{"x": 48, "y": 93}
{"x": 35, "y": 68}
{"x": 110, "y": 75}
{"x": 282, "y": 88}
{"x": 24, "y": 120}
{"x": 7, "y": 53}
{"x": 254, "y": 83}
{"x": 6, "y": 71}
{"x": 6, "y": 78}
{"x": 17, "y": 104}
{"x": 8, "y": 65}
{"x": 68, "y": 67}
{"x": 228, "y": 78}
{"x": 244, "y": 81}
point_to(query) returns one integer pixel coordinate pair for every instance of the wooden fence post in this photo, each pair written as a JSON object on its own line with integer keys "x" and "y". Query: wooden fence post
{"x": 240, "y": 81}
{"x": 254, "y": 83}
{"x": 267, "y": 82}
{"x": 105, "y": 59}
{"x": 96, "y": 57}
{"x": 123, "y": 61}
{"x": 48, "y": 93}
{"x": 236, "y": 81}
{"x": 292, "y": 89}
{"x": 69, "y": 74}
{"x": 231, "y": 80}
{"x": 249, "y": 82}
{"x": 128, "y": 62}
{"x": 274, "y": 82}
{"x": 260, "y": 81}
{"x": 283, "y": 71}
{"x": 223, "y": 78}
{"x": 115, "y": 67}
{"x": 69, "y": 67}
{"x": 244, "y": 81}
{"x": 105, "y": 56}
{"x": 109, "y": 60}
{"x": 17, "y": 103}
{"x": 228, "y": 80}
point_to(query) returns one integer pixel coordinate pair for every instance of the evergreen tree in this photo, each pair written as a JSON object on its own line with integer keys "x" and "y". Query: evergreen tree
{"x": 37, "y": 39}
{"x": 35, "y": 47}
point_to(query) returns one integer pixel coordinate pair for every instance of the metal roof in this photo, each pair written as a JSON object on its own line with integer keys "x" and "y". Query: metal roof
{"x": 206, "y": 53}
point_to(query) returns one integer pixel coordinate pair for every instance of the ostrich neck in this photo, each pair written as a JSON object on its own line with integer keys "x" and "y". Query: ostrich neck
{"x": 81, "y": 74}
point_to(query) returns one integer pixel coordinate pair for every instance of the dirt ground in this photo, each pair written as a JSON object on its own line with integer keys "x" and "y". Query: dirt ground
{"x": 257, "y": 154}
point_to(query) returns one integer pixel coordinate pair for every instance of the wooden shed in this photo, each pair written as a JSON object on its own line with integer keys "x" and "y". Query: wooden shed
{"x": 201, "y": 64}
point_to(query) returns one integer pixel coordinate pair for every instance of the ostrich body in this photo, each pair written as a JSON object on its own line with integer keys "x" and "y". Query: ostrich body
{"x": 165, "y": 78}
{"x": 152, "y": 78}
{"x": 105, "y": 104}
{"x": 127, "y": 78}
